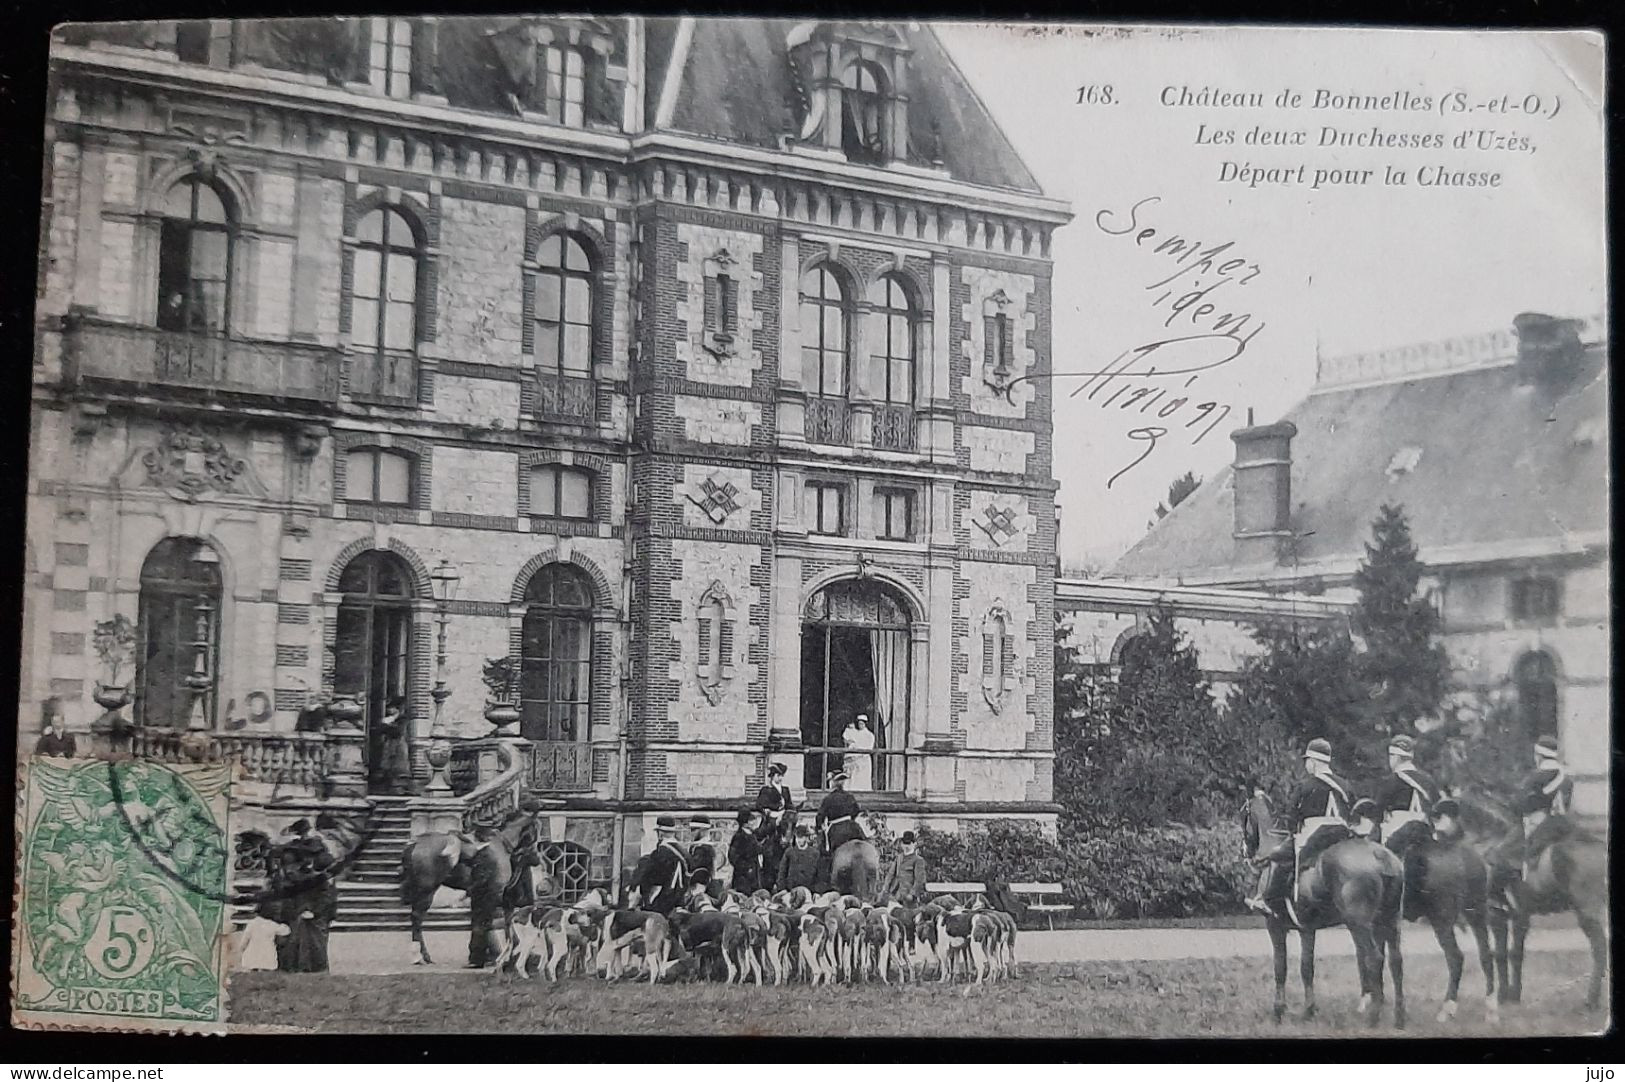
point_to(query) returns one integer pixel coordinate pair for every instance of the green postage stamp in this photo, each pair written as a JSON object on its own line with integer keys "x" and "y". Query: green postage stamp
{"x": 123, "y": 896}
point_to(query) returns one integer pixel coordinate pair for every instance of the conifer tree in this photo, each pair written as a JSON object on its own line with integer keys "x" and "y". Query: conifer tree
{"x": 1404, "y": 668}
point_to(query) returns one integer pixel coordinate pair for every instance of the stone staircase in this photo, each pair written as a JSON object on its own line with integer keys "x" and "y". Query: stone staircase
{"x": 369, "y": 895}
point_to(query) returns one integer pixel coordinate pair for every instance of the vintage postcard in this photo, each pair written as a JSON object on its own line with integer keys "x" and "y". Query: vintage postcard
{"x": 538, "y": 521}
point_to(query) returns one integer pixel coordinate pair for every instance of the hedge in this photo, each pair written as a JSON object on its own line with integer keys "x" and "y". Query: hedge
{"x": 1171, "y": 871}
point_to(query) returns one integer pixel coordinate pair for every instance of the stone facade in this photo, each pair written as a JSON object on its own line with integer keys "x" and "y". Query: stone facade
{"x": 687, "y": 409}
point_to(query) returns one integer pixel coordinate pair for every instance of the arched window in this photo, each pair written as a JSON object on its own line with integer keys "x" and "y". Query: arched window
{"x": 863, "y": 113}
{"x": 1536, "y": 678}
{"x": 556, "y": 655}
{"x": 998, "y": 656}
{"x": 562, "y": 87}
{"x": 372, "y": 649}
{"x": 560, "y": 491}
{"x": 824, "y": 340}
{"x": 379, "y": 476}
{"x": 195, "y": 243}
{"x": 383, "y": 313}
{"x": 180, "y": 632}
{"x": 892, "y": 322}
{"x": 563, "y": 306}
{"x": 855, "y": 658}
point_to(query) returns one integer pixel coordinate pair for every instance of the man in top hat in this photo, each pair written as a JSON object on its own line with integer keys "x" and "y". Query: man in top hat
{"x": 1405, "y": 797}
{"x": 662, "y": 876}
{"x": 1316, "y": 815}
{"x": 905, "y": 881}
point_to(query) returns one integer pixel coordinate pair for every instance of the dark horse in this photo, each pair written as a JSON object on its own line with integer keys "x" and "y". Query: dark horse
{"x": 1447, "y": 884}
{"x": 1569, "y": 874}
{"x": 1353, "y": 882}
{"x": 493, "y": 874}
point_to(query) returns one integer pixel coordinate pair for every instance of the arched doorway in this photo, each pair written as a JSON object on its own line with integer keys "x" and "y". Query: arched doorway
{"x": 555, "y": 681}
{"x": 372, "y": 650}
{"x": 1535, "y": 677}
{"x": 179, "y": 619}
{"x": 855, "y": 658}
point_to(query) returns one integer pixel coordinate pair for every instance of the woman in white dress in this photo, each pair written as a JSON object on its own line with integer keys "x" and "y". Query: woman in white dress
{"x": 858, "y": 762}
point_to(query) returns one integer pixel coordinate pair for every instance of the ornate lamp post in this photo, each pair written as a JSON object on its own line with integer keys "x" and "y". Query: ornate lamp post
{"x": 445, "y": 579}
{"x": 198, "y": 682}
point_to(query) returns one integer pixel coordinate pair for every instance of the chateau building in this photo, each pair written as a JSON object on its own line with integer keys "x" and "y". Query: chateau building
{"x": 1496, "y": 448}
{"x": 664, "y": 381}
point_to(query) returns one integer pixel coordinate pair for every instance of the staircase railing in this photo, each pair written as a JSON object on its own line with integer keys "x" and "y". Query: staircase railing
{"x": 503, "y": 766}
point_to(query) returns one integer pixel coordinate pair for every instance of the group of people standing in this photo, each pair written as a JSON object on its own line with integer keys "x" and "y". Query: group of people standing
{"x": 769, "y": 850}
{"x": 1408, "y": 806}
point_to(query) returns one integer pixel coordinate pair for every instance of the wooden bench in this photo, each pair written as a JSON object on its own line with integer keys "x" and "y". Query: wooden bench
{"x": 966, "y": 891}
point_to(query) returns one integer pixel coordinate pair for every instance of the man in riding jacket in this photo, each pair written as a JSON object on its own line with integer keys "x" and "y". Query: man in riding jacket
{"x": 1543, "y": 800}
{"x": 663, "y": 874}
{"x": 838, "y": 814}
{"x": 775, "y": 800}
{"x": 1406, "y": 797}
{"x": 1316, "y": 815}
{"x": 702, "y": 854}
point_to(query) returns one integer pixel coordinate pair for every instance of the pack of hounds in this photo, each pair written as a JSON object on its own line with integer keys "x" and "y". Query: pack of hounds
{"x": 783, "y": 937}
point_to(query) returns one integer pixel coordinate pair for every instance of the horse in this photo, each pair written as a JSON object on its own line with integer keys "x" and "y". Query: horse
{"x": 854, "y": 868}
{"x": 1569, "y": 874}
{"x": 1353, "y": 882}
{"x": 489, "y": 872}
{"x": 1447, "y": 884}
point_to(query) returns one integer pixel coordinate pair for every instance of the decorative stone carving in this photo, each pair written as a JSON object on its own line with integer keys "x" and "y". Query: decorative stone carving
{"x": 192, "y": 461}
{"x": 714, "y": 633}
{"x": 718, "y": 501}
{"x": 205, "y": 155}
{"x": 998, "y": 657}
{"x": 999, "y": 523}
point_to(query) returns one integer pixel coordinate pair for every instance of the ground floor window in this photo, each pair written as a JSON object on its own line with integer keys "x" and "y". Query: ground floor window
{"x": 177, "y": 659}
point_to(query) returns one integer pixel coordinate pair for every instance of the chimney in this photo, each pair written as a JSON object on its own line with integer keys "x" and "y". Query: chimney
{"x": 1262, "y": 483}
{"x": 1549, "y": 349}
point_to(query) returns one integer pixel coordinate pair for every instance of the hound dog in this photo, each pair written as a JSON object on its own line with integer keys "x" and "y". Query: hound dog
{"x": 621, "y": 929}
{"x": 779, "y": 939}
{"x": 882, "y": 945}
{"x": 710, "y": 930}
{"x": 551, "y": 933}
{"x": 813, "y": 944}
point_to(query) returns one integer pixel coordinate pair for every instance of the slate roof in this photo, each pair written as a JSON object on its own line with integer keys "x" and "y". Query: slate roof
{"x": 736, "y": 87}
{"x": 1475, "y": 458}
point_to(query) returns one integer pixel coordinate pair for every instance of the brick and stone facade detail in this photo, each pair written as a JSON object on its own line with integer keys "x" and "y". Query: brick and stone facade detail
{"x": 704, "y": 253}
{"x": 990, "y": 292}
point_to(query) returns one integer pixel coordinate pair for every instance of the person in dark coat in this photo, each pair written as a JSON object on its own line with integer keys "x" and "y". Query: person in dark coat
{"x": 1316, "y": 814}
{"x": 799, "y": 865}
{"x": 54, "y": 740}
{"x": 1405, "y": 797}
{"x": 663, "y": 875}
{"x": 702, "y": 853}
{"x": 745, "y": 852}
{"x": 905, "y": 880}
{"x": 775, "y": 800}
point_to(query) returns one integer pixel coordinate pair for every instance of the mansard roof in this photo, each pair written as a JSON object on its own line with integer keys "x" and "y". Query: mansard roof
{"x": 735, "y": 86}
{"x": 1485, "y": 463}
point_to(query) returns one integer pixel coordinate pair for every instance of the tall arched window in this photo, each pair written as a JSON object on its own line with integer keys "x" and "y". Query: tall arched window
{"x": 383, "y": 312}
{"x": 383, "y": 305}
{"x": 855, "y": 658}
{"x": 863, "y": 113}
{"x": 824, "y": 338}
{"x": 180, "y": 632}
{"x": 892, "y": 340}
{"x": 563, "y": 306}
{"x": 556, "y": 655}
{"x": 1536, "y": 678}
{"x": 195, "y": 243}
{"x": 372, "y": 649}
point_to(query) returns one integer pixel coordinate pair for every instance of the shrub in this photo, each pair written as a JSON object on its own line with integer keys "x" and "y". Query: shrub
{"x": 1157, "y": 872}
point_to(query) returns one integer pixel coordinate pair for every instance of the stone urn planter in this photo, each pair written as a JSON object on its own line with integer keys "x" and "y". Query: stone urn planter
{"x": 501, "y": 715}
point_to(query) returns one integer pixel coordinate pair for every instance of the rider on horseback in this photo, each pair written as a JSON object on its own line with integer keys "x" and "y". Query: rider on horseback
{"x": 1316, "y": 816}
{"x": 1407, "y": 796}
{"x": 838, "y": 814}
{"x": 1543, "y": 800}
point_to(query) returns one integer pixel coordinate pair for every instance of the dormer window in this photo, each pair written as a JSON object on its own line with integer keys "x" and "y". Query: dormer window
{"x": 390, "y": 62}
{"x": 562, "y": 74}
{"x": 863, "y": 111}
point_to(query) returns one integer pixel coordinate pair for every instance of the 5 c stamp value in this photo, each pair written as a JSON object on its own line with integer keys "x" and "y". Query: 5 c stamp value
{"x": 123, "y": 896}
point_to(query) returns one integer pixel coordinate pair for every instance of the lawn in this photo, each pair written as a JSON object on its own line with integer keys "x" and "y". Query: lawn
{"x": 1216, "y": 998}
